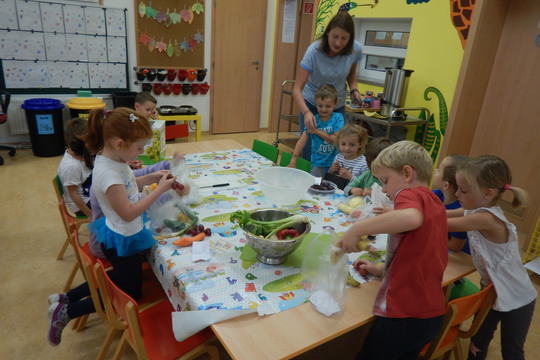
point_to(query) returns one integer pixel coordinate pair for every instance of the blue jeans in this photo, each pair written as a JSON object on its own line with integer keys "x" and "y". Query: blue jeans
{"x": 306, "y": 151}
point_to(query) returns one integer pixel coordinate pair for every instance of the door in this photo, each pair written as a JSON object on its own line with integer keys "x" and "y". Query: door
{"x": 237, "y": 65}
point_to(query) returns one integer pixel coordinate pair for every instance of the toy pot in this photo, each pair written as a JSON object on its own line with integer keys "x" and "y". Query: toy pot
{"x": 182, "y": 74}
{"x": 171, "y": 74}
{"x": 141, "y": 75}
{"x": 191, "y": 74}
{"x": 204, "y": 88}
{"x": 186, "y": 89}
{"x": 201, "y": 74}
{"x": 161, "y": 74}
{"x": 151, "y": 74}
{"x": 158, "y": 88}
{"x": 195, "y": 88}
{"x": 177, "y": 89}
{"x": 147, "y": 87}
{"x": 167, "y": 89}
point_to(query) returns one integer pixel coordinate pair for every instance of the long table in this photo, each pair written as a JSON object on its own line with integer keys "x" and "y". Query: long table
{"x": 269, "y": 337}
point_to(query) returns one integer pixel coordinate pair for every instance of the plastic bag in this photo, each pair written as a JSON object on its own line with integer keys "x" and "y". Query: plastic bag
{"x": 325, "y": 270}
{"x": 378, "y": 198}
{"x": 169, "y": 216}
{"x": 181, "y": 171}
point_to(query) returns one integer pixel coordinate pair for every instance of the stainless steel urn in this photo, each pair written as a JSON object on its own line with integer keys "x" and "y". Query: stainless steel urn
{"x": 394, "y": 91}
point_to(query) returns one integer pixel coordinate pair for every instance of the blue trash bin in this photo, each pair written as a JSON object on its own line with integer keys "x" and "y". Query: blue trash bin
{"x": 45, "y": 126}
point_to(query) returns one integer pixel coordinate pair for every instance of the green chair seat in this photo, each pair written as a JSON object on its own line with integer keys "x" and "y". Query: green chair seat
{"x": 301, "y": 163}
{"x": 267, "y": 150}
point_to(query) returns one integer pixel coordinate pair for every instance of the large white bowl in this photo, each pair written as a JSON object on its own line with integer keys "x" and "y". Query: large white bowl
{"x": 284, "y": 185}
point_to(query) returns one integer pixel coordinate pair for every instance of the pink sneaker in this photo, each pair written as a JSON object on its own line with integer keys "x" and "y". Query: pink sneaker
{"x": 58, "y": 319}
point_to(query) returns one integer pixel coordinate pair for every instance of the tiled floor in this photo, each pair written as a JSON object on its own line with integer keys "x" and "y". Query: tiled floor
{"x": 31, "y": 234}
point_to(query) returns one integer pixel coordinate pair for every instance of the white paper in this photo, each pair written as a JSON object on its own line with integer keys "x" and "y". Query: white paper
{"x": 74, "y": 19}
{"x": 287, "y": 35}
{"x": 533, "y": 265}
{"x": 116, "y": 24}
{"x": 95, "y": 20}
{"x": 29, "y": 16}
{"x": 8, "y": 20}
{"x": 52, "y": 17}
{"x": 200, "y": 251}
{"x": 187, "y": 323}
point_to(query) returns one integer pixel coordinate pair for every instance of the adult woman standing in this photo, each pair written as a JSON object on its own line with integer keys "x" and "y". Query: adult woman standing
{"x": 331, "y": 59}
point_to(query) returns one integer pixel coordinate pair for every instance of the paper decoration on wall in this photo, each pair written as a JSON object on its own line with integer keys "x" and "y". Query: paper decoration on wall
{"x": 8, "y": 20}
{"x": 76, "y": 46}
{"x": 28, "y": 15}
{"x": 99, "y": 75}
{"x": 58, "y": 76}
{"x": 116, "y": 49}
{"x": 97, "y": 48}
{"x": 21, "y": 45}
{"x": 170, "y": 18}
{"x": 78, "y": 75}
{"x": 95, "y": 20}
{"x": 55, "y": 45}
{"x": 185, "y": 45}
{"x": 36, "y": 74}
{"x": 15, "y": 74}
{"x": 52, "y": 17}
{"x": 74, "y": 19}
{"x": 117, "y": 76}
{"x": 116, "y": 22}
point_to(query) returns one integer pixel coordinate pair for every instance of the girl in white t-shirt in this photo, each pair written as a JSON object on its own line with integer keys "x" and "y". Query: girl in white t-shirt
{"x": 494, "y": 248}
{"x": 75, "y": 169}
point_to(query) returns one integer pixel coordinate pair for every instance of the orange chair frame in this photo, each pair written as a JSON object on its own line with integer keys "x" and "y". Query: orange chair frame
{"x": 457, "y": 312}
{"x": 148, "y": 331}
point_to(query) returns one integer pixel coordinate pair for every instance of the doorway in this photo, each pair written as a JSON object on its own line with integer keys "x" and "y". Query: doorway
{"x": 238, "y": 37}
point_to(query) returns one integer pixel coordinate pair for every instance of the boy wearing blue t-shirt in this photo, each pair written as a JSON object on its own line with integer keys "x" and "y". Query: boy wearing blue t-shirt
{"x": 329, "y": 123}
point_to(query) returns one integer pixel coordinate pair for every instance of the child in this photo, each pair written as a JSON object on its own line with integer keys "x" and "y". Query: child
{"x": 146, "y": 104}
{"x": 329, "y": 123}
{"x": 410, "y": 303}
{"x": 495, "y": 253}
{"x": 361, "y": 186}
{"x": 445, "y": 187}
{"x": 75, "y": 169}
{"x": 118, "y": 137}
{"x": 350, "y": 162}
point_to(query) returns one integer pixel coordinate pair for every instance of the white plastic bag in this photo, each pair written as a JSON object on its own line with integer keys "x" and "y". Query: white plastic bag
{"x": 181, "y": 171}
{"x": 324, "y": 270}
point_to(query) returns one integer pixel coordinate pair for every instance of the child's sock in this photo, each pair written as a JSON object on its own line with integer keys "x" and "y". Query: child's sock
{"x": 58, "y": 319}
{"x": 60, "y": 298}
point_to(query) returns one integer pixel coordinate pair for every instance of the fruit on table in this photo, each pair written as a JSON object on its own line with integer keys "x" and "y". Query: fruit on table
{"x": 356, "y": 201}
{"x": 188, "y": 240}
{"x": 287, "y": 234}
{"x": 325, "y": 186}
{"x": 174, "y": 225}
{"x": 175, "y": 185}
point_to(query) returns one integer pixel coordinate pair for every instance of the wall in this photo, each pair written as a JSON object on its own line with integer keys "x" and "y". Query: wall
{"x": 201, "y": 103}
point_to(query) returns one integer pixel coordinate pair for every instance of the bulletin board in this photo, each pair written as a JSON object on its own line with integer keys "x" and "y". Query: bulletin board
{"x": 170, "y": 33}
{"x": 48, "y": 47}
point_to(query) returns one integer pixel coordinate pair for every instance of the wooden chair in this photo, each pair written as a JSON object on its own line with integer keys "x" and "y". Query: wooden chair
{"x": 301, "y": 163}
{"x": 457, "y": 312}
{"x": 267, "y": 150}
{"x": 149, "y": 331}
{"x": 78, "y": 220}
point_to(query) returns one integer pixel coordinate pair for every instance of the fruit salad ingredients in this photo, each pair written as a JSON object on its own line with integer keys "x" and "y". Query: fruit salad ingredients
{"x": 174, "y": 225}
{"x": 265, "y": 228}
{"x": 356, "y": 201}
{"x": 188, "y": 240}
{"x": 324, "y": 186}
{"x": 175, "y": 185}
{"x": 345, "y": 208}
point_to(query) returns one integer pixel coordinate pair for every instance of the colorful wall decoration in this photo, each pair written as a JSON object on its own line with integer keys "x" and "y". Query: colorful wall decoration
{"x": 435, "y": 51}
{"x": 170, "y": 34}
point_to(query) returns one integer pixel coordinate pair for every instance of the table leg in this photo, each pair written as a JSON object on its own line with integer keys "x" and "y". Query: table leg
{"x": 198, "y": 128}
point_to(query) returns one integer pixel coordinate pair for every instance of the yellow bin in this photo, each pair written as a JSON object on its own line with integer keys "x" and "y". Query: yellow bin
{"x": 81, "y": 106}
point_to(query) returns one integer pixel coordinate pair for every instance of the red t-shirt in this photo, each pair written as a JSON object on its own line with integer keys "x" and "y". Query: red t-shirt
{"x": 415, "y": 261}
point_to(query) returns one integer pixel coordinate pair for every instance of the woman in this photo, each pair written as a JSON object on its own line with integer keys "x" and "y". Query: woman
{"x": 332, "y": 59}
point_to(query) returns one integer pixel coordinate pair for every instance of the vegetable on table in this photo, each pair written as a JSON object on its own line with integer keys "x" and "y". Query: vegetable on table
{"x": 287, "y": 234}
{"x": 266, "y": 229}
{"x": 174, "y": 225}
{"x": 188, "y": 240}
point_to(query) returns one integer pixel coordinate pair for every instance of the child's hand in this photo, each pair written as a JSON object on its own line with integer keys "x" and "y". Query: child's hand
{"x": 381, "y": 210}
{"x": 348, "y": 242}
{"x": 184, "y": 191}
{"x": 165, "y": 183}
{"x": 334, "y": 168}
{"x": 366, "y": 266}
{"x": 357, "y": 191}
{"x": 177, "y": 158}
{"x": 366, "y": 192}
{"x": 344, "y": 173}
{"x": 156, "y": 176}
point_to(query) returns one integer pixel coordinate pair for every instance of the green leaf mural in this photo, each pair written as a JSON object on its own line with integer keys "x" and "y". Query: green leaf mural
{"x": 434, "y": 135}
{"x": 323, "y": 13}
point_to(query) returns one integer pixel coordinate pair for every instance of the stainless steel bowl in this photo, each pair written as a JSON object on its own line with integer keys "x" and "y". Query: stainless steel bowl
{"x": 274, "y": 252}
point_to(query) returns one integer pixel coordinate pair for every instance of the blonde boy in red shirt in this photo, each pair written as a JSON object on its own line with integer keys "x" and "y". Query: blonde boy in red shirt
{"x": 410, "y": 304}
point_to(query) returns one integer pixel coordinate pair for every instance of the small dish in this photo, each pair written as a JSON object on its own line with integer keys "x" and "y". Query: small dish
{"x": 325, "y": 188}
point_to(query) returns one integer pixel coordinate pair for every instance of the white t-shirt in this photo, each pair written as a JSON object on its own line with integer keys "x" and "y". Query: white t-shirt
{"x": 73, "y": 171}
{"x": 501, "y": 265}
{"x": 108, "y": 172}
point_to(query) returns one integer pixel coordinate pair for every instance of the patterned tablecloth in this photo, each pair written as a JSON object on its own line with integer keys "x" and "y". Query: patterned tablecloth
{"x": 233, "y": 278}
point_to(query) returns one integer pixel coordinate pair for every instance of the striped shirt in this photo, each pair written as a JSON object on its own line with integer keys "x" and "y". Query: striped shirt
{"x": 356, "y": 166}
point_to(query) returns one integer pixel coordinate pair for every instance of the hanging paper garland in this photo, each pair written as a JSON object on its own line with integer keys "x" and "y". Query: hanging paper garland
{"x": 170, "y": 49}
{"x": 170, "y": 18}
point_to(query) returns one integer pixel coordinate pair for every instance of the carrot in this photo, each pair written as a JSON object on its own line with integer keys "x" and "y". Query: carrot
{"x": 188, "y": 240}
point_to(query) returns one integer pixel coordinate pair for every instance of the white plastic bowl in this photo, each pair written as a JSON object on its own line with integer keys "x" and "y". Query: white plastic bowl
{"x": 284, "y": 185}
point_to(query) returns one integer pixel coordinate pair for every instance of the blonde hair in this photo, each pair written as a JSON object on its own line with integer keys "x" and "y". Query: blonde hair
{"x": 491, "y": 172}
{"x": 403, "y": 153}
{"x": 355, "y": 131}
{"x": 122, "y": 123}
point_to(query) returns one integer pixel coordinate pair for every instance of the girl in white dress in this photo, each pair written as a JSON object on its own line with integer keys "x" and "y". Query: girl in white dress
{"x": 494, "y": 249}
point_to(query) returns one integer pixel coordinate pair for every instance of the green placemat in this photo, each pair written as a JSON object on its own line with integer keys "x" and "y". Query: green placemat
{"x": 294, "y": 259}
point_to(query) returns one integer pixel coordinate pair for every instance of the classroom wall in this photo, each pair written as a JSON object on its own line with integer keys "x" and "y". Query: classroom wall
{"x": 201, "y": 103}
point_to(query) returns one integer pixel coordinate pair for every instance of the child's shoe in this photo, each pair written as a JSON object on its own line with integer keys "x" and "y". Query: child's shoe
{"x": 58, "y": 298}
{"x": 58, "y": 319}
